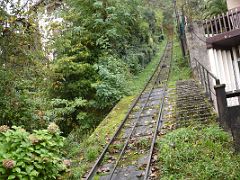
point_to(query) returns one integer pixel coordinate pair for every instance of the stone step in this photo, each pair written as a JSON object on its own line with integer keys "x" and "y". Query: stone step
{"x": 191, "y": 102}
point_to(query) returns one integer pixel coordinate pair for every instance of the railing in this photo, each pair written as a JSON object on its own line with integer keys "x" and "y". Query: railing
{"x": 233, "y": 98}
{"x": 207, "y": 79}
{"x": 229, "y": 116}
{"x": 222, "y": 23}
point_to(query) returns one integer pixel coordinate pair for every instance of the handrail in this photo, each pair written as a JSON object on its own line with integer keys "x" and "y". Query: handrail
{"x": 211, "y": 74}
{"x": 204, "y": 75}
{"x": 223, "y": 15}
{"x": 222, "y": 23}
{"x": 233, "y": 94}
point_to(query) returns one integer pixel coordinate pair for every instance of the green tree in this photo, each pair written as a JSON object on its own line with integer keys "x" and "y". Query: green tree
{"x": 102, "y": 42}
{"x": 20, "y": 67}
{"x": 215, "y": 7}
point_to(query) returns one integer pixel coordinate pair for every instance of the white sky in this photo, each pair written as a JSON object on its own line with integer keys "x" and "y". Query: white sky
{"x": 19, "y": 4}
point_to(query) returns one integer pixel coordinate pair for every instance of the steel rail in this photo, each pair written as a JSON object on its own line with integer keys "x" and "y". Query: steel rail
{"x": 135, "y": 124}
{"x": 130, "y": 135}
{"x": 159, "y": 124}
{"x": 99, "y": 160}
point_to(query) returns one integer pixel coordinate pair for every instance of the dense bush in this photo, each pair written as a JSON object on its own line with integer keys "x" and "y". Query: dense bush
{"x": 21, "y": 68}
{"x": 36, "y": 155}
{"x": 99, "y": 47}
{"x": 113, "y": 74}
{"x": 22, "y": 98}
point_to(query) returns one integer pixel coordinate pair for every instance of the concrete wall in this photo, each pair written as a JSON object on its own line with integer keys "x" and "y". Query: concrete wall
{"x": 233, "y": 4}
{"x": 196, "y": 42}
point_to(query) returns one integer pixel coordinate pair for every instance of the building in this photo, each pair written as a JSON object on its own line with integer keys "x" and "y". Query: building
{"x": 214, "y": 50}
{"x": 223, "y": 46}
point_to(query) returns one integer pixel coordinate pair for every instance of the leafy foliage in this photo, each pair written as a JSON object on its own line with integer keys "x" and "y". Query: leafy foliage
{"x": 200, "y": 9}
{"x": 180, "y": 69}
{"x": 113, "y": 73}
{"x": 85, "y": 149}
{"x": 21, "y": 96}
{"x": 22, "y": 70}
{"x": 102, "y": 43}
{"x": 193, "y": 9}
{"x": 215, "y": 7}
{"x": 31, "y": 156}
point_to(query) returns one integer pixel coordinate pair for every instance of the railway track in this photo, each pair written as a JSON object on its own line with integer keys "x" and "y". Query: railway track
{"x": 129, "y": 154}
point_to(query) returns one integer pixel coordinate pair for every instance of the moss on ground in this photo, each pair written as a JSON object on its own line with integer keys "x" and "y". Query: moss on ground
{"x": 84, "y": 154}
{"x": 87, "y": 152}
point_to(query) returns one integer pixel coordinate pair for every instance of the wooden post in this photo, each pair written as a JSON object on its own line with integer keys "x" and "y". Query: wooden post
{"x": 222, "y": 106}
{"x": 224, "y": 23}
{"x": 235, "y": 126}
{"x": 220, "y": 24}
{"x": 215, "y": 23}
{"x": 229, "y": 22}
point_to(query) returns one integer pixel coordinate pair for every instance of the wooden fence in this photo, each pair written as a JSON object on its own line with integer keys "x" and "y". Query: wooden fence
{"x": 222, "y": 23}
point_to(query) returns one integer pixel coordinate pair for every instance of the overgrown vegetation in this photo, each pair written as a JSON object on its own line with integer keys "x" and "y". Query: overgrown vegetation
{"x": 100, "y": 49}
{"x": 180, "y": 68}
{"x": 104, "y": 51}
{"x": 103, "y": 44}
{"x": 215, "y": 7}
{"x": 202, "y": 9}
{"x": 22, "y": 71}
{"x": 85, "y": 152}
{"x": 198, "y": 151}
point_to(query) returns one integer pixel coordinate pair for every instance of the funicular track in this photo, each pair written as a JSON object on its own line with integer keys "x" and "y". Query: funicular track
{"x": 129, "y": 154}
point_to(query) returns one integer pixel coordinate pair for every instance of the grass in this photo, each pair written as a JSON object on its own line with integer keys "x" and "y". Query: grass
{"x": 180, "y": 69}
{"x": 138, "y": 82}
{"x": 83, "y": 155}
{"x": 198, "y": 152}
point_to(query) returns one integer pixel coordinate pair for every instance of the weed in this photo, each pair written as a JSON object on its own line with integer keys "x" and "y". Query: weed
{"x": 91, "y": 153}
{"x": 202, "y": 152}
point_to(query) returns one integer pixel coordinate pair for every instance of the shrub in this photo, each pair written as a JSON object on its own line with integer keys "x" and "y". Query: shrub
{"x": 23, "y": 96}
{"x": 112, "y": 86}
{"x": 31, "y": 156}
